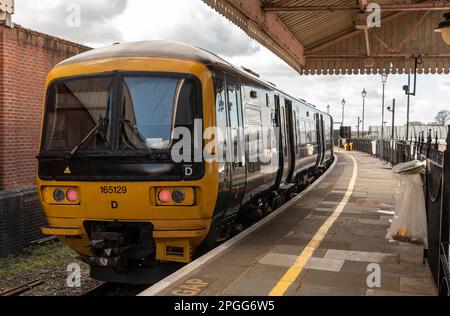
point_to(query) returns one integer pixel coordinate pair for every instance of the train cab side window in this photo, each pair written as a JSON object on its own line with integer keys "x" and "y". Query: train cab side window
{"x": 235, "y": 118}
{"x": 233, "y": 105}
{"x": 221, "y": 118}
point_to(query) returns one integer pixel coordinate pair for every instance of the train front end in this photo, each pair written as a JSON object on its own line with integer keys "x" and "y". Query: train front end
{"x": 121, "y": 175}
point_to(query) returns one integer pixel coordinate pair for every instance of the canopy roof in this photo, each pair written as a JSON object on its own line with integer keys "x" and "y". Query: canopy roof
{"x": 332, "y": 37}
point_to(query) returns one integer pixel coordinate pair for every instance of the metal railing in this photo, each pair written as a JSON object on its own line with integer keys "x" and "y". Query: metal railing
{"x": 436, "y": 183}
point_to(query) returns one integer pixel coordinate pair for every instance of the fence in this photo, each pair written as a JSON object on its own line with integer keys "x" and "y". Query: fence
{"x": 21, "y": 219}
{"x": 400, "y": 132}
{"x": 437, "y": 190}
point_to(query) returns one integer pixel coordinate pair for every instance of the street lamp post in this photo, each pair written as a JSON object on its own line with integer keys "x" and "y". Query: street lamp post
{"x": 328, "y": 109}
{"x": 407, "y": 90}
{"x": 384, "y": 78}
{"x": 392, "y": 109}
{"x": 409, "y": 93}
{"x": 364, "y": 95}
{"x": 359, "y": 124}
{"x": 343, "y": 108}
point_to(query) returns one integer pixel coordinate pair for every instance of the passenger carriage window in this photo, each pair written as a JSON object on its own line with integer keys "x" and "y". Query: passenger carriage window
{"x": 254, "y": 137}
{"x": 253, "y": 116}
{"x": 303, "y": 132}
{"x": 308, "y": 132}
{"x": 295, "y": 131}
{"x": 313, "y": 132}
{"x": 273, "y": 117}
{"x": 328, "y": 131}
{"x": 283, "y": 127}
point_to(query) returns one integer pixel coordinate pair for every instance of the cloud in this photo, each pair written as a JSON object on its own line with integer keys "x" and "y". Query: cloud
{"x": 210, "y": 31}
{"x": 192, "y": 21}
{"x": 51, "y": 16}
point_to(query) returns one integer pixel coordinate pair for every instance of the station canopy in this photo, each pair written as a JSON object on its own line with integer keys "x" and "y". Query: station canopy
{"x": 333, "y": 37}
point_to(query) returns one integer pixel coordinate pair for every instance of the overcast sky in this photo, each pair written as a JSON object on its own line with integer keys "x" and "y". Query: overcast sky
{"x": 104, "y": 22}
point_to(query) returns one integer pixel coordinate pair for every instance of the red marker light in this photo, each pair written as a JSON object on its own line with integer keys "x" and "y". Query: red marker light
{"x": 72, "y": 195}
{"x": 165, "y": 196}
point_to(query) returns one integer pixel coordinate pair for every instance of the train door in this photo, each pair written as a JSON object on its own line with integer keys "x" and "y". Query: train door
{"x": 285, "y": 143}
{"x": 290, "y": 138}
{"x": 237, "y": 143}
{"x": 321, "y": 138}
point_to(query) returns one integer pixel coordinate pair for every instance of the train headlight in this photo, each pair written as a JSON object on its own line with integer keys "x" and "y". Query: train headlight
{"x": 178, "y": 196}
{"x": 59, "y": 195}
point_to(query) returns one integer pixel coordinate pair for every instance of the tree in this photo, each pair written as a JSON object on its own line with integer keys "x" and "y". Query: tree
{"x": 443, "y": 117}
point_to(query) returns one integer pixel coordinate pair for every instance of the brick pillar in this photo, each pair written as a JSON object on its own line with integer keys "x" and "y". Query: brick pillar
{"x": 26, "y": 57}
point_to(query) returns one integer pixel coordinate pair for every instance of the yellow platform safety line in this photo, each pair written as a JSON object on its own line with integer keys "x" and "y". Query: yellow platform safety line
{"x": 294, "y": 271}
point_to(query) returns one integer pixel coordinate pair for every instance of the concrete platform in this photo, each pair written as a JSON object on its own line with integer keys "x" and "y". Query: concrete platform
{"x": 328, "y": 242}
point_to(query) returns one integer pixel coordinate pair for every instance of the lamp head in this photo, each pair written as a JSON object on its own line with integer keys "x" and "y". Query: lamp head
{"x": 444, "y": 29}
{"x": 406, "y": 89}
{"x": 364, "y": 93}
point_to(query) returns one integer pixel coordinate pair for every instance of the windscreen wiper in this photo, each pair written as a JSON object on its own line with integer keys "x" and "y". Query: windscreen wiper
{"x": 94, "y": 132}
{"x": 136, "y": 133}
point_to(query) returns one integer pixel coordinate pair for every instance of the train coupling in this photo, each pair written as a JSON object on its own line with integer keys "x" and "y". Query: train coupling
{"x": 118, "y": 245}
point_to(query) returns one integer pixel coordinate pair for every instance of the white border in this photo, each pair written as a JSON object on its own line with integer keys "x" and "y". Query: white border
{"x": 194, "y": 265}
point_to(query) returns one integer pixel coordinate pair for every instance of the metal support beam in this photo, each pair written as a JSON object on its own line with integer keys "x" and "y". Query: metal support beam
{"x": 268, "y": 24}
{"x": 433, "y": 6}
{"x": 378, "y": 55}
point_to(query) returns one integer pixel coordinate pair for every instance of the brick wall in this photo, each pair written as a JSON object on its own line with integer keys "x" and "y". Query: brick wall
{"x": 26, "y": 57}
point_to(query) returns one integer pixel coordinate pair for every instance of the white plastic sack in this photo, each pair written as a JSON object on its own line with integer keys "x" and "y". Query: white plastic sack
{"x": 410, "y": 220}
{"x": 374, "y": 148}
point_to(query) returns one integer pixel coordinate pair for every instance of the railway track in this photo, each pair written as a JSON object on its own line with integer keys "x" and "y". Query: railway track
{"x": 114, "y": 289}
{"x": 23, "y": 288}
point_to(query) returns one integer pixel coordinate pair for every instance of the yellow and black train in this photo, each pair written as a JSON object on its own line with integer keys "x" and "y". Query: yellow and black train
{"x": 108, "y": 180}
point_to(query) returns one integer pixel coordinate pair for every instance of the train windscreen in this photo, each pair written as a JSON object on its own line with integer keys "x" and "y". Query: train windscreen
{"x": 153, "y": 107}
{"x": 78, "y": 111}
{"x": 117, "y": 113}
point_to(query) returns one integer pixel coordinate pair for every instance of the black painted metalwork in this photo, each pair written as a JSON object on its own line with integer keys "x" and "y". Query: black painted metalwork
{"x": 436, "y": 182}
